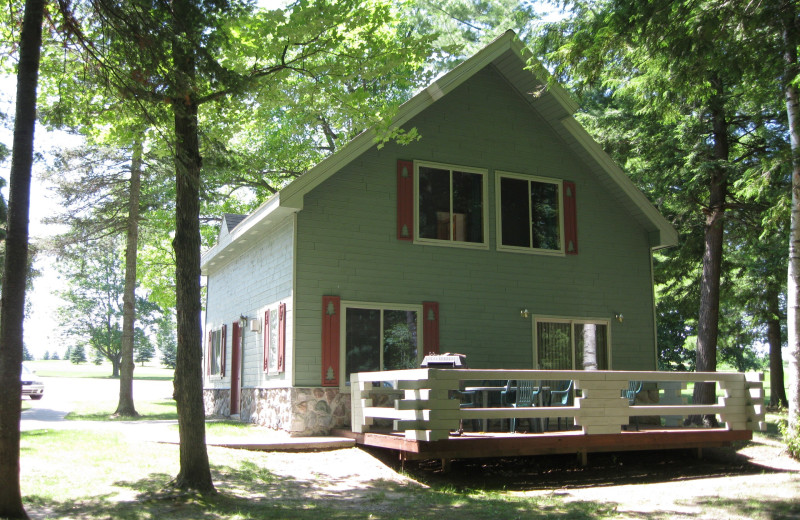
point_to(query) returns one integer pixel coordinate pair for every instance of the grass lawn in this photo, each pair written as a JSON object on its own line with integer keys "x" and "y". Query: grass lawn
{"x": 101, "y": 410}
{"x": 64, "y": 368}
{"x": 88, "y": 475}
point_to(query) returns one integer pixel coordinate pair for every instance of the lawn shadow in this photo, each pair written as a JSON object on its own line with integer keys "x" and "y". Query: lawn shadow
{"x": 251, "y": 491}
{"x": 604, "y": 469}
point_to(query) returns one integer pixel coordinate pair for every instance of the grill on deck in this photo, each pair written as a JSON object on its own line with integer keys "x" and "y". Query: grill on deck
{"x": 447, "y": 360}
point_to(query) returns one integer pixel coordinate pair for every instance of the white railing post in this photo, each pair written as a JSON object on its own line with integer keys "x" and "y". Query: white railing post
{"x": 754, "y": 385}
{"x": 601, "y": 408}
{"x": 436, "y": 412}
{"x": 359, "y": 399}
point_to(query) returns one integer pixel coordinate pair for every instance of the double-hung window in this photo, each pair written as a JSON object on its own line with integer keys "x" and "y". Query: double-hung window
{"x": 380, "y": 337}
{"x": 530, "y": 215}
{"x": 216, "y": 352}
{"x": 450, "y": 205}
{"x": 564, "y": 344}
{"x": 275, "y": 339}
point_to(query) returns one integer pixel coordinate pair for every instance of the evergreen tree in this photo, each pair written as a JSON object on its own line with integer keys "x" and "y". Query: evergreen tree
{"x": 78, "y": 354}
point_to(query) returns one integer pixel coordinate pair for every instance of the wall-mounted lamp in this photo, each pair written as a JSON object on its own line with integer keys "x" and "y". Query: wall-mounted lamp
{"x": 619, "y": 317}
{"x": 255, "y": 325}
{"x": 242, "y": 321}
{"x": 524, "y": 313}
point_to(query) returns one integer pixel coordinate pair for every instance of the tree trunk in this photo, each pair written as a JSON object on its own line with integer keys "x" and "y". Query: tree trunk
{"x": 708, "y": 324}
{"x": 15, "y": 269}
{"x": 126, "y": 406}
{"x": 790, "y": 37}
{"x": 777, "y": 386}
{"x": 195, "y": 472}
{"x": 589, "y": 347}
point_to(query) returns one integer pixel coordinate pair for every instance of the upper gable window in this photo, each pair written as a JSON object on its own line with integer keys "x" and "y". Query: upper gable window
{"x": 530, "y": 214}
{"x": 450, "y": 205}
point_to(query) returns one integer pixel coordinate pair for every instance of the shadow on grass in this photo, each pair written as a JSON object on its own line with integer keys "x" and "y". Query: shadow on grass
{"x": 251, "y": 491}
{"x": 564, "y": 471}
{"x": 156, "y": 411}
{"x": 763, "y": 507}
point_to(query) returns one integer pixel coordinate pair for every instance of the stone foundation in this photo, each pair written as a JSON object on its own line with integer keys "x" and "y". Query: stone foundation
{"x": 302, "y": 412}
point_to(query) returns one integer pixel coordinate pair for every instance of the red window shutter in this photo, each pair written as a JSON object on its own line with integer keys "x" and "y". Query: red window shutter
{"x": 430, "y": 327}
{"x": 330, "y": 340}
{"x": 281, "y": 337}
{"x": 266, "y": 340}
{"x": 405, "y": 200}
{"x": 223, "y": 342}
{"x": 570, "y": 219}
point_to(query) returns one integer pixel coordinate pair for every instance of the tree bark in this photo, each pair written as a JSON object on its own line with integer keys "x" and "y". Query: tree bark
{"x": 589, "y": 347}
{"x": 777, "y": 386}
{"x": 126, "y": 407}
{"x": 708, "y": 324}
{"x": 791, "y": 37}
{"x": 195, "y": 472}
{"x": 12, "y": 301}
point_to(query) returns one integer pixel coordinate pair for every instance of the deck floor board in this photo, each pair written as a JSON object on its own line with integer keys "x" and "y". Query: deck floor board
{"x": 490, "y": 445}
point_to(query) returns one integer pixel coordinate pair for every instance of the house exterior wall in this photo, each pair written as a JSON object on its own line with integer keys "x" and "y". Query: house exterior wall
{"x": 248, "y": 285}
{"x": 348, "y": 247}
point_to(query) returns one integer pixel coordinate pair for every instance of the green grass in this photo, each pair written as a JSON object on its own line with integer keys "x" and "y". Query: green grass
{"x": 64, "y": 368}
{"x": 102, "y": 410}
{"x": 82, "y": 474}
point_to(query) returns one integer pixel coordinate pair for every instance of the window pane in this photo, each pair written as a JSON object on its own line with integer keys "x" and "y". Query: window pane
{"x": 216, "y": 351}
{"x": 434, "y": 203}
{"x": 514, "y": 212}
{"x": 554, "y": 346}
{"x": 544, "y": 215}
{"x": 467, "y": 207}
{"x": 591, "y": 346}
{"x": 399, "y": 340}
{"x": 362, "y": 340}
{"x": 273, "y": 341}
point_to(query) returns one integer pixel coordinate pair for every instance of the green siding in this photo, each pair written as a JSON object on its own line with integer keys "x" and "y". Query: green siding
{"x": 347, "y": 243}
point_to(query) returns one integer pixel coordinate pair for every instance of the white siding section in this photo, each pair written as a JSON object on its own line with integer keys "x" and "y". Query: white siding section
{"x": 248, "y": 285}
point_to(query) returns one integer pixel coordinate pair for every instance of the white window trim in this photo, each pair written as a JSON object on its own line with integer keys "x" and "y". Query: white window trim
{"x": 498, "y": 176}
{"x": 344, "y": 384}
{"x": 572, "y": 322}
{"x": 484, "y": 202}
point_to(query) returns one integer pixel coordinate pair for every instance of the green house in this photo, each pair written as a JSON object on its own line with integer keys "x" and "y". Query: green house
{"x": 504, "y": 233}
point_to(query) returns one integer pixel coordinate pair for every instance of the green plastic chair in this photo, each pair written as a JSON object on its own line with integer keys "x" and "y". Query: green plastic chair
{"x": 524, "y": 394}
{"x": 560, "y": 398}
{"x": 634, "y": 387}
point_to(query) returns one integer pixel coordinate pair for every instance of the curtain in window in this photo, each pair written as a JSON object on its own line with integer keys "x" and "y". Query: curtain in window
{"x": 554, "y": 346}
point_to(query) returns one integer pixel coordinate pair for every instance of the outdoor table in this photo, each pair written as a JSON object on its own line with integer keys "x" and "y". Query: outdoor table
{"x": 484, "y": 392}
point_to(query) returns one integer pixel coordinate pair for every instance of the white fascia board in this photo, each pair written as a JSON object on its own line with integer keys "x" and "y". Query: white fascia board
{"x": 668, "y": 237}
{"x": 239, "y": 238}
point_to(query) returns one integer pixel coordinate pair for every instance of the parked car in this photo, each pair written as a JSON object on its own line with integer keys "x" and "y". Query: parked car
{"x": 32, "y": 386}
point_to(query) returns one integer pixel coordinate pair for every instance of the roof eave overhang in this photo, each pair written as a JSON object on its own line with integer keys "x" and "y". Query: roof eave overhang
{"x": 245, "y": 233}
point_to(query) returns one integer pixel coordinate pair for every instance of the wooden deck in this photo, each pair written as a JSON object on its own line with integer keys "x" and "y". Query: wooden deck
{"x": 422, "y": 408}
{"x": 489, "y": 445}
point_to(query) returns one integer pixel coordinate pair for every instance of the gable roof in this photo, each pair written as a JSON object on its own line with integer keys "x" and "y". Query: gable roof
{"x": 517, "y": 65}
{"x": 230, "y": 221}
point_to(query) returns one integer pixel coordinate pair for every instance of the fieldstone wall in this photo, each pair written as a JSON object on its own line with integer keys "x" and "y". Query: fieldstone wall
{"x": 303, "y": 412}
{"x": 217, "y": 402}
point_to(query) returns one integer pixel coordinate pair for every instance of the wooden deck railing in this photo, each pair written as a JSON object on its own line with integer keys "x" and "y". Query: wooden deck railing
{"x": 428, "y": 404}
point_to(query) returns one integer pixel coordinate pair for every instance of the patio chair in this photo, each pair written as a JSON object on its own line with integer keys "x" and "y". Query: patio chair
{"x": 560, "y": 398}
{"x": 634, "y": 387}
{"x": 524, "y": 394}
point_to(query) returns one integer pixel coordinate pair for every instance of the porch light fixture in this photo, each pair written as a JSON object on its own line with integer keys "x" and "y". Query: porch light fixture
{"x": 524, "y": 313}
{"x": 619, "y": 317}
{"x": 242, "y": 321}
